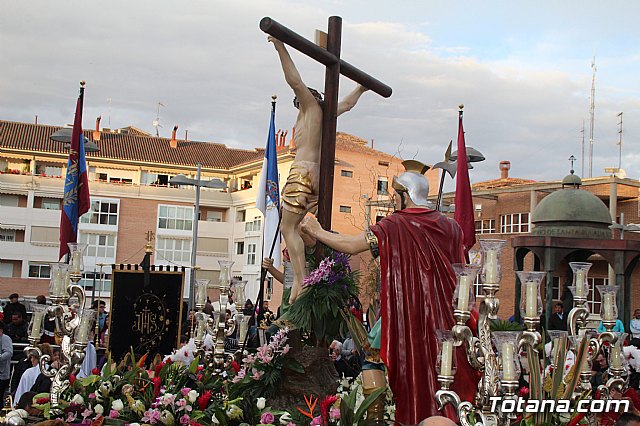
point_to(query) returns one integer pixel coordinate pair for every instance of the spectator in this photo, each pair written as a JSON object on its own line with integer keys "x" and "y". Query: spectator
{"x": 6, "y": 352}
{"x": 28, "y": 378}
{"x": 49, "y": 329}
{"x": 599, "y": 370}
{"x": 634, "y": 328}
{"x": 101, "y": 307}
{"x": 342, "y": 366}
{"x": 208, "y": 307}
{"x": 90, "y": 360}
{"x": 628, "y": 419}
{"x": 558, "y": 319}
{"x": 17, "y": 329}
{"x": 618, "y": 328}
{"x": 265, "y": 315}
{"x": 12, "y": 307}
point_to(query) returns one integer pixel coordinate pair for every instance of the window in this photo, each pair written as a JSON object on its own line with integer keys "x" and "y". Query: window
{"x": 383, "y": 186}
{"x": 53, "y": 171}
{"x": 90, "y": 280}
{"x": 51, "y": 204}
{"x": 8, "y": 200}
{"x": 253, "y": 226}
{"x": 45, "y": 235}
{"x": 102, "y": 213}
{"x": 346, "y": 173}
{"x": 6, "y": 270}
{"x": 99, "y": 245}
{"x": 486, "y": 226}
{"x": 514, "y": 223}
{"x": 101, "y": 177}
{"x": 251, "y": 254}
{"x": 269, "y": 289}
{"x": 120, "y": 180}
{"x": 240, "y": 215}
{"x": 173, "y": 249}
{"x": 240, "y": 247}
{"x": 383, "y": 163}
{"x": 39, "y": 270}
{"x": 175, "y": 217}
{"x": 7, "y": 234}
{"x": 593, "y": 299}
{"x": 345, "y": 209}
{"x": 214, "y": 216}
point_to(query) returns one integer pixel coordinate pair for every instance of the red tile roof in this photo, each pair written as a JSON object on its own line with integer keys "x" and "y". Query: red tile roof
{"x": 131, "y": 145}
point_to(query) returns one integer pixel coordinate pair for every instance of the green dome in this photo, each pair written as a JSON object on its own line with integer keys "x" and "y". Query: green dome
{"x": 571, "y": 180}
{"x": 572, "y": 213}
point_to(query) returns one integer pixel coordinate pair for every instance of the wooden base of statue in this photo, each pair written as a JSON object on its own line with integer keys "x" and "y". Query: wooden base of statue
{"x": 319, "y": 379}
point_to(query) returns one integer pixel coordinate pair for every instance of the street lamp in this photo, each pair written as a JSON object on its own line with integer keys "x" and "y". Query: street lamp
{"x": 64, "y": 135}
{"x": 213, "y": 183}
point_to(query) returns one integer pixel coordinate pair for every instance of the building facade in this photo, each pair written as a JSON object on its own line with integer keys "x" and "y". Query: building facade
{"x": 131, "y": 195}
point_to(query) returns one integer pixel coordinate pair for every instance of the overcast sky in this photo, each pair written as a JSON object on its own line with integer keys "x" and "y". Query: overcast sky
{"x": 522, "y": 70}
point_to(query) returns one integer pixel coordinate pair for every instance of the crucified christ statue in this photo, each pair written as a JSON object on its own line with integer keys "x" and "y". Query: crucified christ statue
{"x": 300, "y": 193}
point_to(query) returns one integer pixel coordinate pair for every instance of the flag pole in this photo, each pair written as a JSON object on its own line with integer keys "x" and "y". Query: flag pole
{"x": 447, "y": 156}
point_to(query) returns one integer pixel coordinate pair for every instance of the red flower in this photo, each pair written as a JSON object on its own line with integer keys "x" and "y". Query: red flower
{"x": 235, "y": 365}
{"x": 194, "y": 423}
{"x": 95, "y": 371}
{"x": 203, "y": 400}
{"x": 574, "y": 421}
{"x": 199, "y": 377}
{"x": 72, "y": 378}
{"x": 157, "y": 381}
{"x": 169, "y": 361}
{"x": 42, "y": 400}
{"x": 324, "y": 408}
{"x": 524, "y": 391}
{"x": 159, "y": 367}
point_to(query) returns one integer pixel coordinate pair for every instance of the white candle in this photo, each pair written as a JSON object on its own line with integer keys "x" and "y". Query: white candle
{"x": 508, "y": 367}
{"x": 531, "y": 300}
{"x": 83, "y": 329}
{"x": 446, "y": 360}
{"x": 59, "y": 284}
{"x": 224, "y": 300}
{"x": 608, "y": 307}
{"x": 201, "y": 296}
{"x": 200, "y": 331}
{"x": 491, "y": 267}
{"x": 244, "y": 325}
{"x": 76, "y": 260}
{"x": 580, "y": 276}
{"x": 616, "y": 357}
{"x": 463, "y": 292}
{"x": 36, "y": 328}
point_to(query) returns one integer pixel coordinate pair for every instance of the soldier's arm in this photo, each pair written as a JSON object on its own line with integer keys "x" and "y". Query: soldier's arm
{"x": 350, "y": 244}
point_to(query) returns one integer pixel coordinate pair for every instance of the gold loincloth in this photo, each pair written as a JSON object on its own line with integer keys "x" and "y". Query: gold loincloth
{"x": 300, "y": 193}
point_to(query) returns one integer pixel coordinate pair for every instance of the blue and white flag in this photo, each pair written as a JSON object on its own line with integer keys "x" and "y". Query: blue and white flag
{"x": 268, "y": 200}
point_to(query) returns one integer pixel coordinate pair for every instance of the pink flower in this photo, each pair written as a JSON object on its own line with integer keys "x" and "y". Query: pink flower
{"x": 184, "y": 419}
{"x": 71, "y": 417}
{"x": 152, "y": 416}
{"x": 113, "y": 414}
{"x": 257, "y": 374}
{"x": 286, "y": 349}
{"x": 334, "y": 414}
{"x": 238, "y": 377}
{"x": 92, "y": 396}
{"x": 86, "y": 413}
{"x": 185, "y": 391}
{"x": 267, "y": 418}
{"x": 317, "y": 421}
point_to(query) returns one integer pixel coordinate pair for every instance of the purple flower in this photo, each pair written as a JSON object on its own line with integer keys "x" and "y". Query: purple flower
{"x": 184, "y": 419}
{"x": 334, "y": 414}
{"x": 185, "y": 391}
{"x": 267, "y": 418}
{"x": 113, "y": 414}
{"x": 152, "y": 416}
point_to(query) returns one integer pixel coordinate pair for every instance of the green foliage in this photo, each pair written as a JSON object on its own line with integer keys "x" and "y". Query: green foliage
{"x": 503, "y": 325}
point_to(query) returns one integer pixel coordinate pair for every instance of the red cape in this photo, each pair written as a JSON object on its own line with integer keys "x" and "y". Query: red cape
{"x": 417, "y": 248}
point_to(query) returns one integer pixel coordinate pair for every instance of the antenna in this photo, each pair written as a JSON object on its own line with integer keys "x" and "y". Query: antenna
{"x": 109, "y": 115}
{"x": 592, "y": 112}
{"x": 582, "y": 157}
{"x": 156, "y": 122}
{"x": 620, "y": 142}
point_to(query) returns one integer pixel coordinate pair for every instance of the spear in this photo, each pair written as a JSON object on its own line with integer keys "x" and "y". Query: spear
{"x": 446, "y": 166}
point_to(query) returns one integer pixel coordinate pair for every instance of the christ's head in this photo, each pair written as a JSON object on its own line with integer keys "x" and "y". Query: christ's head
{"x": 315, "y": 94}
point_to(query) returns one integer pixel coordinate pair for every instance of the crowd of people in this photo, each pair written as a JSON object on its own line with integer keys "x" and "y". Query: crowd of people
{"x": 21, "y": 377}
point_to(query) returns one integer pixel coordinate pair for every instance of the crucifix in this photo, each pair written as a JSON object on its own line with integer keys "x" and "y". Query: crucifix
{"x": 307, "y": 183}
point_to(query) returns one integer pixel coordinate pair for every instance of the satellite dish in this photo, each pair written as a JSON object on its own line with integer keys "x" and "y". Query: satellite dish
{"x": 621, "y": 174}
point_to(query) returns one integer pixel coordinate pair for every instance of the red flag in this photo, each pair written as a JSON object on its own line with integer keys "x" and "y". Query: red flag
{"x": 76, "y": 186}
{"x": 464, "y": 202}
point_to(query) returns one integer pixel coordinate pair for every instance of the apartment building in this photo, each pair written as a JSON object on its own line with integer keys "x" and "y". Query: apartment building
{"x": 131, "y": 195}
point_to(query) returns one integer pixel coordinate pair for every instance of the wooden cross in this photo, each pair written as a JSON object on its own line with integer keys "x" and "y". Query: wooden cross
{"x": 330, "y": 57}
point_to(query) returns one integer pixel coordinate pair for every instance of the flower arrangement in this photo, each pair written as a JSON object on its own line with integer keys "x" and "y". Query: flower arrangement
{"x": 327, "y": 289}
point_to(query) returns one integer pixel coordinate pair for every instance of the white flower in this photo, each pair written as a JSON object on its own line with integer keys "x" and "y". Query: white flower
{"x": 134, "y": 424}
{"x": 78, "y": 399}
{"x": 192, "y": 396}
{"x": 285, "y": 418}
{"x": 215, "y": 420}
{"x": 261, "y": 403}
{"x": 117, "y": 405}
{"x": 99, "y": 409}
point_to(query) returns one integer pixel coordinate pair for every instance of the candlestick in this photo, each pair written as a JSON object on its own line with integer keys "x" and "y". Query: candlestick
{"x": 531, "y": 309}
{"x": 580, "y": 281}
{"x": 508, "y": 367}
{"x": 76, "y": 260}
{"x": 607, "y": 314}
{"x": 201, "y": 295}
{"x": 86, "y": 318}
{"x": 36, "y": 326}
{"x": 616, "y": 357}
{"x": 446, "y": 361}
{"x": 200, "y": 331}
{"x": 491, "y": 266}
{"x": 463, "y": 292}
